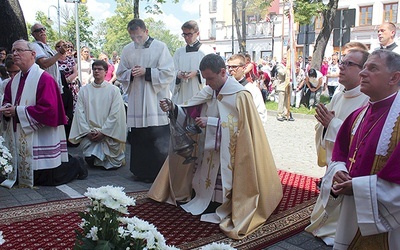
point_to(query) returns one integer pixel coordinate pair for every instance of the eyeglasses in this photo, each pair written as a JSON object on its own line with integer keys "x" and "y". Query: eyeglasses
{"x": 98, "y": 69}
{"x": 2, "y": 53}
{"x": 39, "y": 30}
{"x": 187, "y": 34}
{"x": 234, "y": 67}
{"x": 18, "y": 51}
{"x": 349, "y": 63}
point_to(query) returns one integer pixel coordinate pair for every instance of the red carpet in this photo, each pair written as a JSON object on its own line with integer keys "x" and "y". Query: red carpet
{"x": 51, "y": 225}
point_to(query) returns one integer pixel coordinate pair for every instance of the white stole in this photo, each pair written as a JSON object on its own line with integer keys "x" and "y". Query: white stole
{"x": 22, "y": 136}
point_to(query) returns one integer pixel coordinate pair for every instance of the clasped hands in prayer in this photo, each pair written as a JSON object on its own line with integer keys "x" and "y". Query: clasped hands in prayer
{"x": 95, "y": 136}
{"x": 8, "y": 110}
{"x": 342, "y": 184}
{"x": 167, "y": 105}
{"x": 323, "y": 115}
{"x": 138, "y": 71}
{"x": 185, "y": 75}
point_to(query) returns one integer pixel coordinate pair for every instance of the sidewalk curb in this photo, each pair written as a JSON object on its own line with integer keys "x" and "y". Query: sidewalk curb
{"x": 295, "y": 115}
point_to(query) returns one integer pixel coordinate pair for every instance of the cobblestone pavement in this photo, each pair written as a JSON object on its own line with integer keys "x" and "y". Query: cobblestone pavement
{"x": 292, "y": 144}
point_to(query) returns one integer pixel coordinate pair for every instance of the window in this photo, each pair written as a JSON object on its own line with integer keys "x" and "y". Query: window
{"x": 390, "y": 12}
{"x": 365, "y": 15}
{"x": 266, "y": 55}
{"x": 213, "y": 29}
{"x": 213, "y": 6}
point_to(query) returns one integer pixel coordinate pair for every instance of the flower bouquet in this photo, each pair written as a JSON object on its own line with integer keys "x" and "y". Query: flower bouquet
{"x": 104, "y": 227}
{"x": 5, "y": 160}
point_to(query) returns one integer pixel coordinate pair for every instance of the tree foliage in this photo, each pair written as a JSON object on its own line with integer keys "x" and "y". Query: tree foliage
{"x": 259, "y": 7}
{"x": 159, "y": 31}
{"x": 304, "y": 11}
{"x": 85, "y": 24}
{"x": 152, "y": 7}
{"x": 67, "y": 26}
{"x": 114, "y": 32}
{"x": 40, "y": 17}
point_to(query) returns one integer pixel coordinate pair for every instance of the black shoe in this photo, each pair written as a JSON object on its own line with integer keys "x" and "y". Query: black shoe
{"x": 140, "y": 179}
{"x": 83, "y": 172}
{"x": 90, "y": 161}
{"x": 281, "y": 119}
{"x": 291, "y": 119}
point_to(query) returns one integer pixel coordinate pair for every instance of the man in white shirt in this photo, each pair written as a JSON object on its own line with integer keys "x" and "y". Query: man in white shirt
{"x": 333, "y": 76}
{"x": 47, "y": 58}
{"x": 314, "y": 81}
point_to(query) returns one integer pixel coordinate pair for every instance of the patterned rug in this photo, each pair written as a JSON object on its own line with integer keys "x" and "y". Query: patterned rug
{"x": 51, "y": 225}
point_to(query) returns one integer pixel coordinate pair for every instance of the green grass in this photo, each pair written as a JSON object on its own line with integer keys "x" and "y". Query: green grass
{"x": 270, "y": 105}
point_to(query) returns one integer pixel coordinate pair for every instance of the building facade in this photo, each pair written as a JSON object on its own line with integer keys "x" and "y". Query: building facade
{"x": 267, "y": 36}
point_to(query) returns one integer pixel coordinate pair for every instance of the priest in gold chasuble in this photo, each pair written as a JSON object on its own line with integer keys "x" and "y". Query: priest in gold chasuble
{"x": 234, "y": 165}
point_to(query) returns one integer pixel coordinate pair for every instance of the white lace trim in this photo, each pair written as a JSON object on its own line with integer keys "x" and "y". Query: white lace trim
{"x": 384, "y": 139}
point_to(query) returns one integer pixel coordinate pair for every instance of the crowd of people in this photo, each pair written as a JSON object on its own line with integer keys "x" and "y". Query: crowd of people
{"x": 46, "y": 107}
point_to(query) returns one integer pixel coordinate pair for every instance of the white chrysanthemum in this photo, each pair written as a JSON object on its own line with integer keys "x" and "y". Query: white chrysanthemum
{"x": 1, "y": 236}
{"x": 93, "y": 234}
{"x": 3, "y": 161}
{"x": 217, "y": 246}
{"x": 122, "y": 232}
{"x": 112, "y": 197}
{"x": 6, "y": 153}
{"x": 8, "y": 169}
{"x": 83, "y": 223}
{"x": 113, "y": 204}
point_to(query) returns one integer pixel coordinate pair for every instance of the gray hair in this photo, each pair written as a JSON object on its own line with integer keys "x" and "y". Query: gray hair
{"x": 28, "y": 44}
{"x": 35, "y": 24}
{"x": 392, "y": 59}
{"x": 213, "y": 62}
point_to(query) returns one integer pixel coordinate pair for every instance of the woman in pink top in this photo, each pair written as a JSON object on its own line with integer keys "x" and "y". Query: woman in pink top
{"x": 110, "y": 76}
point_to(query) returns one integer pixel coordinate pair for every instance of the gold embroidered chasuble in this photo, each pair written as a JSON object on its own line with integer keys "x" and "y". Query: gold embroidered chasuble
{"x": 235, "y": 146}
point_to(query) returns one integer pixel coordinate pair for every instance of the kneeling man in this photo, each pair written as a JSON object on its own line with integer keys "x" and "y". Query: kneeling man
{"x": 99, "y": 123}
{"x": 234, "y": 169}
